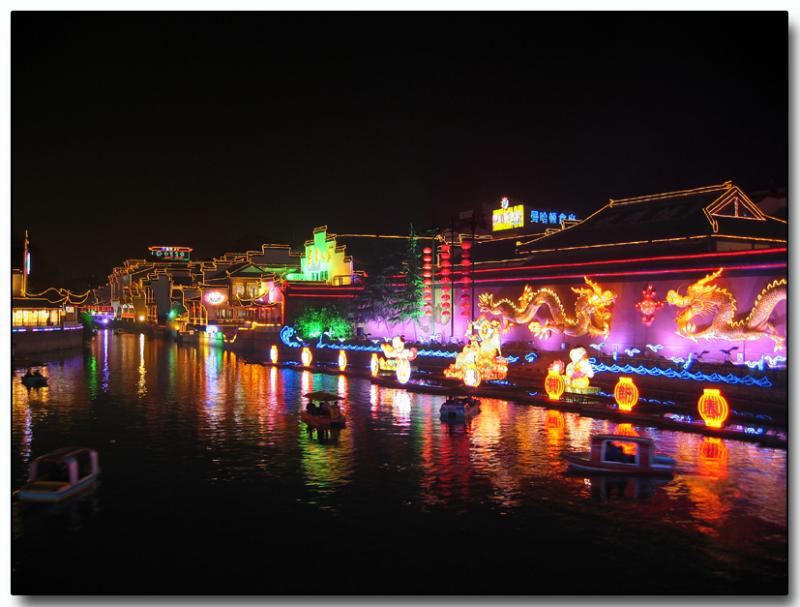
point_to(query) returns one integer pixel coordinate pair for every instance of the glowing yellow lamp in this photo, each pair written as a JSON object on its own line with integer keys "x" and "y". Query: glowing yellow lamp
{"x": 306, "y": 357}
{"x": 342, "y": 360}
{"x": 554, "y": 384}
{"x": 713, "y": 408}
{"x": 626, "y": 394}
{"x": 374, "y": 365}
{"x": 273, "y": 354}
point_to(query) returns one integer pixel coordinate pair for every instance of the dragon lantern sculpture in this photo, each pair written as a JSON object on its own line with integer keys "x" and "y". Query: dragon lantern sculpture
{"x": 704, "y": 297}
{"x": 480, "y": 359}
{"x": 592, "y": 310}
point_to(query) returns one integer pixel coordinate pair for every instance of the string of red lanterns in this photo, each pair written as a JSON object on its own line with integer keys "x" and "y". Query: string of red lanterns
{"x": 445, "y": 273}
{"x": 427, "y": 281}
{"x": 466, "y": 262}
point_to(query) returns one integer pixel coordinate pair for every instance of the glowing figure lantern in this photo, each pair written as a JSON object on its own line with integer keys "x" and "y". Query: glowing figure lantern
{"x": 342, "y": 360}
{"x": 713, "y": 408}
{"x": 273, "y": 354}
{"x": 374, "y": 365}
{"x": 555, "y": 383}
{"x": 398, "y": 358}
{"x": 626, "y": 394}
{"x": 480, "y": 359}
{"x": 306, "y": 358}
{"x": 579, "y": 371}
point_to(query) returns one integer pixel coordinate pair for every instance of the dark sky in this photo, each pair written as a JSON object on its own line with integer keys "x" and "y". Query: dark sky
{"x": 223, "y": 130}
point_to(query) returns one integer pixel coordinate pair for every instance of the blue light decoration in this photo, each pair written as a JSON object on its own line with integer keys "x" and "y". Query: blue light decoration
{"x": 289, "y": 337}
{"x": 27, "y": 261}
{"x": 512, "y": 359}
{"x": 730, "y": 378}
{"x": 531, "y": 357}
{"x": 498, "y": 382}
{"x": 684, "y": 362}
{"x": 598, "y": 347}
{"x": 771, "y": 361}
{"x": 642, "y": 399}
{"x": 654, "y": 347}
{"x": 632, "y": 351}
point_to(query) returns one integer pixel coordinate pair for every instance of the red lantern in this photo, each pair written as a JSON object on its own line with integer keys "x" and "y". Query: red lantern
{"x": 466, "y": 245}
{"x": 713, "y": 408}
{"x": 427, "y": 251}
{"x": 554, "y": 384}
{"x": 626, "y": 394}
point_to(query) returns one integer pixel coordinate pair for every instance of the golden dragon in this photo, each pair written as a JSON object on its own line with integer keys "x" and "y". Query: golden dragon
{"x": 592, "y": 310}
{"x": 704, "y": 297}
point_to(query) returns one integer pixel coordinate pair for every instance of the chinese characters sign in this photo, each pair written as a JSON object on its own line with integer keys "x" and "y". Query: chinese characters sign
{"x": 551, "y": 217}
{"x": 508, "y": 217}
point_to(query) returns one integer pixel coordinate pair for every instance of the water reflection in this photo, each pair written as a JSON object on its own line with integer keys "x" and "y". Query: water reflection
{"x": 196, "y": 417}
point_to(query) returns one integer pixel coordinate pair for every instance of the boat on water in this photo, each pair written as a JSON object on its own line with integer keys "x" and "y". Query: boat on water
{"x": 60, "y": 475}
{"x": 322, "y": 411}
{"x": 33, "y": 378}
{"x": 617, "y": 454}
{"x": 457, "y": 408}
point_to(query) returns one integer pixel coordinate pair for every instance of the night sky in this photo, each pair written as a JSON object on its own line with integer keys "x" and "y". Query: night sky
{"x": 222, "y": 131}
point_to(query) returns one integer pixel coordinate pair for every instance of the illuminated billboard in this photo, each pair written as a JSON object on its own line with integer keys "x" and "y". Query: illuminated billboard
{"x": 508, "y": 217}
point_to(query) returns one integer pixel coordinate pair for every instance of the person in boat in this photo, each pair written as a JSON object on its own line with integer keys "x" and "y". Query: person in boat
{"x": 29, "y": 373}
{"x": 324, "y": 409}
{"x": 614, "y": 453}
{"x": 312, "y": 408}
{"x": 335, "y": 413}
{"x": 37, "y": 373}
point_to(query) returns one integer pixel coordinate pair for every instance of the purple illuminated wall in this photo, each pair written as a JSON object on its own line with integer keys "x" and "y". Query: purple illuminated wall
{"x": 627, "y": 329}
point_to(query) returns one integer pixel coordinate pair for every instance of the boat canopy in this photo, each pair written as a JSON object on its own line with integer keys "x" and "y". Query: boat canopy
{"x": 323, "y": 396}
{"x": 621, "y": 438}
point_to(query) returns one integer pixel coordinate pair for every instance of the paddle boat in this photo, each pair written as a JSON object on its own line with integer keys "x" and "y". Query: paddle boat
{"x": 616, "y": 454}
{"x": 60, "y": 475}
{"x": 34, "y": 379}
{"x": 457, "y": 408}
{"x": 326, "y": 415}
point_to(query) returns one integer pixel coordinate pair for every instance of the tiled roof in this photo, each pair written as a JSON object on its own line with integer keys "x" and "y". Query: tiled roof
{"x": 722, "y": 210}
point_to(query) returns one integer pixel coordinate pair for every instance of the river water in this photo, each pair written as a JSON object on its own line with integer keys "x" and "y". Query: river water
{"x": 210, "y": 484}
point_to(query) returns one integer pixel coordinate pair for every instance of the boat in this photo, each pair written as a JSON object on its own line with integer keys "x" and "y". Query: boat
{"x": 459, "y": 408}
{"x": 34, "y": 379}
{"x": 616, "y": 454}
{"x": 60, "y": 475}
{"x": 117, "y": 331}
{"x": 328, "y": 417}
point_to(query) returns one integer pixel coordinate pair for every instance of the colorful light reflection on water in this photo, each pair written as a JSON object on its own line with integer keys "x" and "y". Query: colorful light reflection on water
{"x": 203, "y": 426}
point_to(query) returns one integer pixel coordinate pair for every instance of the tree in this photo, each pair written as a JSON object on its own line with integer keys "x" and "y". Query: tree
{"x": 314, "y": 321}
{"x": 407, "y": 301}
{"x": 374, "y": 301}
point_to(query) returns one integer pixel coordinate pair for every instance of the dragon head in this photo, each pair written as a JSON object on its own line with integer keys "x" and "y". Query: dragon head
{"x": 701, "y": 297}
{"x": 595, "y": 303}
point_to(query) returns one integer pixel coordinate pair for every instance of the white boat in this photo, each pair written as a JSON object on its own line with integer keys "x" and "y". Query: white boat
{"x": 60, "y": 475}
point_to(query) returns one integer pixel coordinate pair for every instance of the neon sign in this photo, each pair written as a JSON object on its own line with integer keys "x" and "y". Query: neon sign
{"x": 551, "y": 217}
{"x": 170, "y": 253}
{"x": 215, "y": 298}
{"x": 508, "y": 218}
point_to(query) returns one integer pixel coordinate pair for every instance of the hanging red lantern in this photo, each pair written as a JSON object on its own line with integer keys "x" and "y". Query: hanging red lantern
{"x": 713, "y": 408}
{"x": 626, "y": 394}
